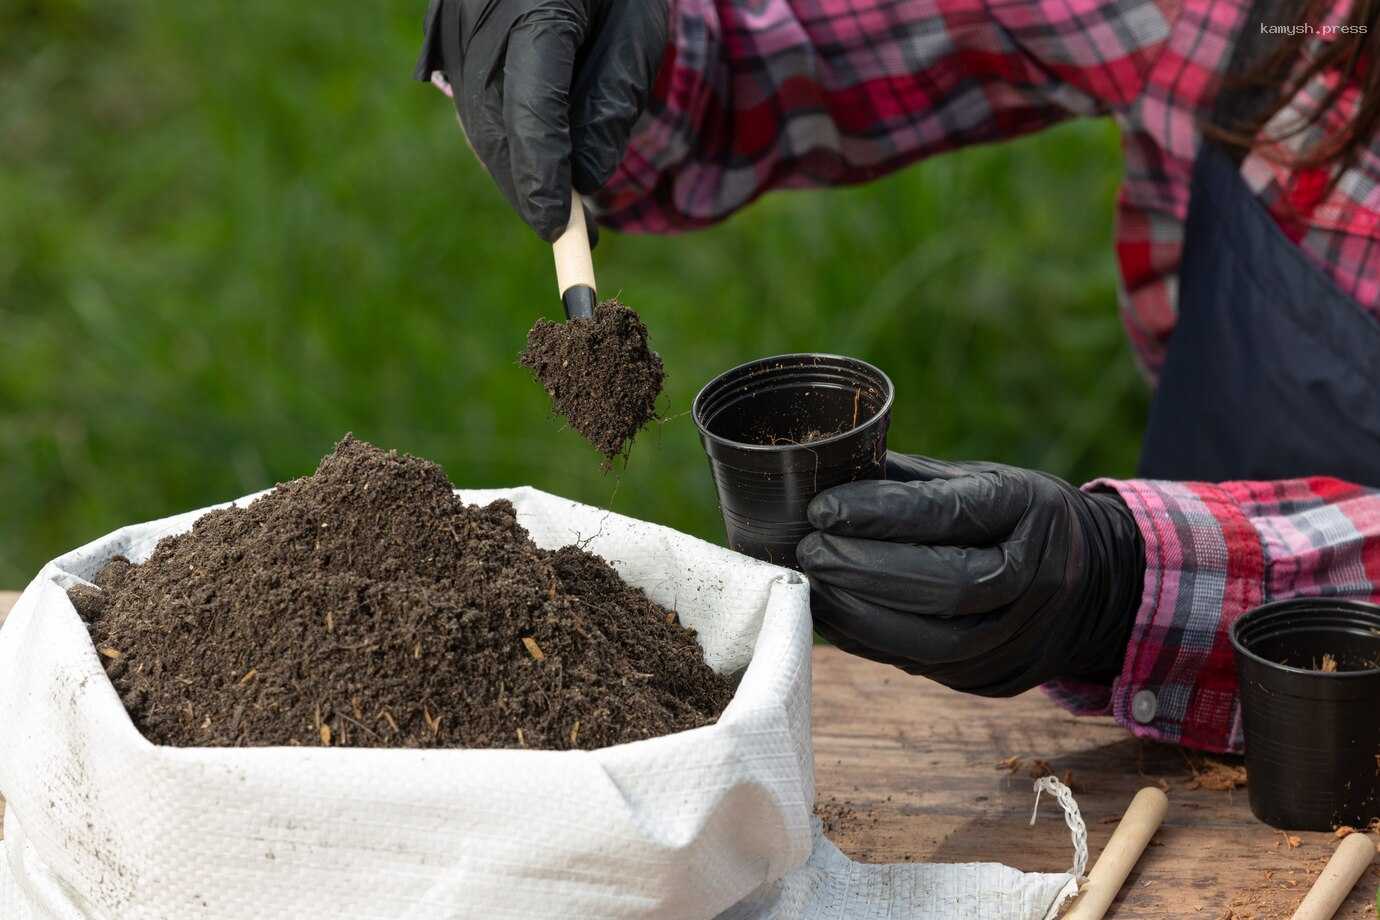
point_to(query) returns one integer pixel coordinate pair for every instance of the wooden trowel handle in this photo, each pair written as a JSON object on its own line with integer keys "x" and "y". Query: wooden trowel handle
{"x": 1129, "y": 840}
{"x": 574, "y": 264}
{"x": 1353, "y": 857}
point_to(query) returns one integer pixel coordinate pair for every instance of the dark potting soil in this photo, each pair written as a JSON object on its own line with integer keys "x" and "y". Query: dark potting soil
{"x": 366, "y": 605}
{"x": 799, "y": 423}
{"x": 1343, "y": 663}
{"x": 809, "y": 437}
{"x": 599, "y": 373}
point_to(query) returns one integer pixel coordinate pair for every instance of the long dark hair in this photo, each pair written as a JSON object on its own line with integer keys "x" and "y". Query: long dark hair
{"x": 1277, "y": 79}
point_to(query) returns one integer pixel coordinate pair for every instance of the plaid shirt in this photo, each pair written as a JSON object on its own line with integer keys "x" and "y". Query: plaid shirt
{"x": 756, "y": 95}
{"x": 1212, "y": 552}
{"x": 770, "y": 94}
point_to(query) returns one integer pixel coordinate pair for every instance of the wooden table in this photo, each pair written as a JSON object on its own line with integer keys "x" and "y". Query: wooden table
{"x": 918, "y": 766}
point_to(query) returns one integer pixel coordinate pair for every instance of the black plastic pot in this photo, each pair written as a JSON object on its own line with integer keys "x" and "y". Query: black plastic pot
{"x": 1312, "y": 737}
{"x": 778, "y": 431}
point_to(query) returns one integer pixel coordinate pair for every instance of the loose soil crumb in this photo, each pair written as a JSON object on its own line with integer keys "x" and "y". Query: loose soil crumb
{"x": 368, "y": 606}
{"x": 599, "y": 373}
{"x": 847, "y": 824}
{"x": 1216, "y": 776}
{"x": 839, "y": 817}
{"x": 1035, "y": 768}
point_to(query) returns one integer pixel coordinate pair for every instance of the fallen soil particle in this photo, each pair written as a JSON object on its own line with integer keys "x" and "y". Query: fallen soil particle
{"x": 838, "y": 817}
{"x": 1216, "y": 776}
{"x": 368, "y": 606}
{"x": 847, "y": 824}
{"x": 600, "y": 374}
{"x": 1260, "y": 904}
{"x": 1035, "y": 768}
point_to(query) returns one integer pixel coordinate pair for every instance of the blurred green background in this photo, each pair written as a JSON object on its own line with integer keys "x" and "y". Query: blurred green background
{"x": 230, "y": 232}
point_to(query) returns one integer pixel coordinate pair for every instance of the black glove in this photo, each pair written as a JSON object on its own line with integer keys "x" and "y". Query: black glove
{"x": 987, "y": 578}
{"x": 547, "y": 90}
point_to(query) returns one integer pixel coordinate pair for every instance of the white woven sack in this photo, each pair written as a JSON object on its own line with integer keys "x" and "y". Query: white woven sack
{"x": 103, "y": 825}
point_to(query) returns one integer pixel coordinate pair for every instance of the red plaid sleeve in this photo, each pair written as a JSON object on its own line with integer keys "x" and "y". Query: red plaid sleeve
{"x": 1212, "y": 552}
{"x": 771, "y": 94}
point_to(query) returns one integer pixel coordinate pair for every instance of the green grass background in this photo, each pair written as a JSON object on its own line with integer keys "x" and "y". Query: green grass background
{"x": 230, "y": 232}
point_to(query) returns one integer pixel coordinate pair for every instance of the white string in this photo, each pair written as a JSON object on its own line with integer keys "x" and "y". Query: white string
{"x": 1072, "y": 817}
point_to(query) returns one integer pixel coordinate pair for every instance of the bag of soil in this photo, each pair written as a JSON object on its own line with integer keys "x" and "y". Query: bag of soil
{"x": 102, "y": 824}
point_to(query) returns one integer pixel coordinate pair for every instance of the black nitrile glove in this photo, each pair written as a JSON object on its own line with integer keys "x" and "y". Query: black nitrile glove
{"x": 987, "y": 578}
{"x": 547, "y": 90}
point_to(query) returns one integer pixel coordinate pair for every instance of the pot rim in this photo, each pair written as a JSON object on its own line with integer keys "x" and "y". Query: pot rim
{"x": 774, "y": 448}
{"x": 1274, "y": 606}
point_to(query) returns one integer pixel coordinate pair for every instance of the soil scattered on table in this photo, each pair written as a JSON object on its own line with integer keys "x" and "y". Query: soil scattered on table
{"x": 1215, "y": 775}
{"x": 366, "y": 605}
{"x": 1036, "y": 768}
{"x": 839, "y": 817}
{"x": 600, "y": 374}
{"x": 848, "y": 824}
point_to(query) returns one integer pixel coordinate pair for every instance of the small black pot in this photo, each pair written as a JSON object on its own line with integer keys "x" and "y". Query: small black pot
{"x": 1312, "y": 737}
{"x": 778, "y": 431}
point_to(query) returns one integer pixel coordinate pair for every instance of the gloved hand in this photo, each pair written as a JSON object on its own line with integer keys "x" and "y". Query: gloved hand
{"x": 547, "y": 90}
{"x": 987, "y": 578}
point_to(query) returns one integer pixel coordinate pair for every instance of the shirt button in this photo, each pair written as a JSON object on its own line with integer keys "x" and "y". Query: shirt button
{"x": 1143, "y": 707}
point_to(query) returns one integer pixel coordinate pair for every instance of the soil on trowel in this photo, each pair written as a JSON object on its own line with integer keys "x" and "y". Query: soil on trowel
{"x": 368, "y": 606}
{"x": 600, "y": 374}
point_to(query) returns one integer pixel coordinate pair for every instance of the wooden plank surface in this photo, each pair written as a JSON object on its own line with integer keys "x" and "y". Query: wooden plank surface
{"x": 914, "y": 767}
{"x": 918, "y": 762}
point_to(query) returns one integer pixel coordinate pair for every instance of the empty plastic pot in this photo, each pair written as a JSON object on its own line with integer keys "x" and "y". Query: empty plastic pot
{"x": 1312, "y": 735}
{"x": 778, "y": 431}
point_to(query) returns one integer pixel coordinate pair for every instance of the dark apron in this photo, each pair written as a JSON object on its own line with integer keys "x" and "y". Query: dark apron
{"x": 1272, "y": 371}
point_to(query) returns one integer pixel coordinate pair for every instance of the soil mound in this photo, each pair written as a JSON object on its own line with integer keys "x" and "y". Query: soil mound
{"x": 599, "y": 373}
{"x": 366, "y": 605}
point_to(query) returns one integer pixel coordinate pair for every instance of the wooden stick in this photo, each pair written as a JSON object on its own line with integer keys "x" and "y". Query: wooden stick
{"x": 1119, "y": 856}
{"x": 574, "y": 262}
{"x": 1350, "y": 861}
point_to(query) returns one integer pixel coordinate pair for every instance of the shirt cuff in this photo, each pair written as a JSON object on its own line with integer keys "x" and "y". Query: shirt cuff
{"x": 1204, "y": 567}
